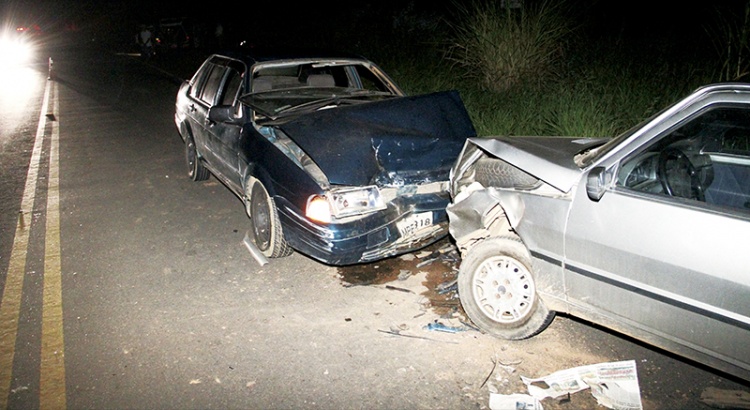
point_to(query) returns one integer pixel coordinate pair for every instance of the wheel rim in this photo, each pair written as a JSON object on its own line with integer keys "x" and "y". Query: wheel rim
{"x": 504, "y": 290}
{"x": 260, "y": 215}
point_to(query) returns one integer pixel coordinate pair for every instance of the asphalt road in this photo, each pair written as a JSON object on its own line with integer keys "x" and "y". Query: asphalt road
{"x": 126, "y": 285}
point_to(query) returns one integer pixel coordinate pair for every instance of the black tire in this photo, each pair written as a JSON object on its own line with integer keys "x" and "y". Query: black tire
{"x": 267, "y": 231}
{"x": 196, "y": 170}
{"x": 498, "y": 292}
{"x": 494, "y": 172}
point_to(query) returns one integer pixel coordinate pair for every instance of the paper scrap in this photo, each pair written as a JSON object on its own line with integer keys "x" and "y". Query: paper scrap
{"x": 614, "y": 384}
{"x": 514, "y": 402}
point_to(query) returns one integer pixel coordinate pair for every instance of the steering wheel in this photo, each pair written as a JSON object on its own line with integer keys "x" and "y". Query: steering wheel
{"x": 678, "y": 176}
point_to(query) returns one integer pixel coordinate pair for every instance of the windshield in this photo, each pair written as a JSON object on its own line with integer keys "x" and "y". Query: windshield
{"x": 293, "y": 86}
{"x": 276, "y": 104}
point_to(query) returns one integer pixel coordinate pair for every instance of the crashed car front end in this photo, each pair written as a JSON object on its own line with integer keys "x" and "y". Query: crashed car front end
{"x": 510, "y": 201}
{"x": 380, "y": 172}
{"x": 412, "y": 217}
{"x": 494, "y": 182}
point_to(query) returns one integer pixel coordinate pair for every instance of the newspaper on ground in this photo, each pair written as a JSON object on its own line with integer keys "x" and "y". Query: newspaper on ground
{"x": 514, "y": 402}
{"x": 613, "y": 384}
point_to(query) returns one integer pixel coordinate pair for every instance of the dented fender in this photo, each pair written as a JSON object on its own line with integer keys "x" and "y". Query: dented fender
{"x": 479, "y": 213}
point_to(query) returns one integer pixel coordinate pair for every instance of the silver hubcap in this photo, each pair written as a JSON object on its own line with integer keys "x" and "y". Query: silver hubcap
{"x": 503, "y": 289}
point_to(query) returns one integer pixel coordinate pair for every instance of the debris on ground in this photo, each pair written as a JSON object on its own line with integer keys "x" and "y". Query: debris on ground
{"x": 514, "y": 402}
{"x": 398, "y": 289}
{"x": 726, "y": 399}
{"x": 253, "y": 249}
{"x": 407, "y": 257}
{"x": 437, "y": 326}
{"x": 450, "y": 286}
{"x": 397, "y": 332}
{"x": 614, "y": 384}
{"x": 426, "y": 262}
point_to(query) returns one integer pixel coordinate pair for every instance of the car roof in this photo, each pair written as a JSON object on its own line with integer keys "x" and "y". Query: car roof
{"x": 253, "y": 55}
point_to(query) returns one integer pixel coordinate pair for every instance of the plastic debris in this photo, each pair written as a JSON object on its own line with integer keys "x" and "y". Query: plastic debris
{"x": 423, "y": 254}
{"x": 389, "y": 287}
{"x": 426, "y": 262}
{"x": 447, "y": 287}
{"x": 437, "y": 326}
{"x": 254, "y": 251}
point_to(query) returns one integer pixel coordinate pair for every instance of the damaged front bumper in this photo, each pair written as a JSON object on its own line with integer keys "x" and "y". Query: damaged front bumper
{"x": 409, "y": 223}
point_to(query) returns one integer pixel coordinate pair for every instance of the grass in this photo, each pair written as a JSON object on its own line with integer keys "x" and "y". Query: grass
{"x": 557, "y": 82}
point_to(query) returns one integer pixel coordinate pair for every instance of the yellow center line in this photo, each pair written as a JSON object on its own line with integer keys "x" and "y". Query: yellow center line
{"x": 10, "y": 304}
{"x": 52, "y": 372}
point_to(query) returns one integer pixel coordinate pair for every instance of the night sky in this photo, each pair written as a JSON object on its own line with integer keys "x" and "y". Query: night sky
{"x": 637, "y": 19}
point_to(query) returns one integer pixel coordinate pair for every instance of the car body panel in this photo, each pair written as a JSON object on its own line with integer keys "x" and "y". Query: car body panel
{"x": 397, "y": 141}
{"x": 404, "y": 146}
{"x": 550, "y": 159}
{"x": 671, "y": 270}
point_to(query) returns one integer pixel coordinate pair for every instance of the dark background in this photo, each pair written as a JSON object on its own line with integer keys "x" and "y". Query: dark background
{"x": 116, "y": 21}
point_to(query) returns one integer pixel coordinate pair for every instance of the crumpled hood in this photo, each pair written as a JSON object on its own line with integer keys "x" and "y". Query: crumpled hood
{"x": 551, "y": 159}
{"x": 405, "y": 140}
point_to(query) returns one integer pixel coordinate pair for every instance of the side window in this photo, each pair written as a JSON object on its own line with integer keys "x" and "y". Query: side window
{"x": 232, "y": 85}
{"x": 706, "y": 159}
{"x": 370, "y": 81}
{"x": 212, "y": 85}
{"x": 199, "y": 80}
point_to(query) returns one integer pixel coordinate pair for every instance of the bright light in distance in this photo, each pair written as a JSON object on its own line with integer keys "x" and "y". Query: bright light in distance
{"x": 14, "y": 50}
{"x": 20, "y": 88}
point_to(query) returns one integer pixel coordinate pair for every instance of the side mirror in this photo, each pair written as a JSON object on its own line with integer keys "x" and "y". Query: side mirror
{"x": 223, "y": 113}
{"x": 596, "y": 183}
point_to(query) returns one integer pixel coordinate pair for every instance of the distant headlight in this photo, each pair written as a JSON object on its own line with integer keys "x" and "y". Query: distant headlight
{"x": 344, "y": 202}
{"x": 14, "y": 51}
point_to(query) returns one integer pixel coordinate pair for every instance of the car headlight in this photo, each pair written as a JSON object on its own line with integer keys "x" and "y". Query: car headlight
{"x": 14, "y": 51}
{"x": 344, "y": 202}
{"x": 318, "y": 209}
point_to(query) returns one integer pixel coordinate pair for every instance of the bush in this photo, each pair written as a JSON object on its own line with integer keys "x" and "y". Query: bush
{"x": 731, "y": 37}
{"x": 502, "y": 46}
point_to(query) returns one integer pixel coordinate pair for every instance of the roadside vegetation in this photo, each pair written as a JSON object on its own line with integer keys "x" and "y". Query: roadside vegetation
{"x": 529, "y": 71}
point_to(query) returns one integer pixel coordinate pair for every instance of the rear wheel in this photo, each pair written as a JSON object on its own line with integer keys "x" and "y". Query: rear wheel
{"x": 498, "y": 292}
{"x": 196, "y": 170}
{"x": 267, "y": 230}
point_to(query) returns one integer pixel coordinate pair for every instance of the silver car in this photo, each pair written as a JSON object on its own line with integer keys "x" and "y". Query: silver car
{"x": 647, "y": 233}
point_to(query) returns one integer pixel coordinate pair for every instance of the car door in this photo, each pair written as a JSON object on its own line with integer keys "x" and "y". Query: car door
{"x": 671, "y": 269}
{"x": 203, "y": 96}
{"x": 223, "y": 136}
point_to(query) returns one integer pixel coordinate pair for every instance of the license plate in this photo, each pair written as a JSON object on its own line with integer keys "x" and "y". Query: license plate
{"x": 413, "y": 223}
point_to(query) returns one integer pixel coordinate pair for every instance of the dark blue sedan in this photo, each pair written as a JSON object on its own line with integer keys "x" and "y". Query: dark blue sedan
{"x": 328, "y": 155}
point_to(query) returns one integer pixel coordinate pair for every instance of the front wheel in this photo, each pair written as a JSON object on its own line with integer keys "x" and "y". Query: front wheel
{"x": 267, "y": 230}
{"x": 498, "y": 292}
